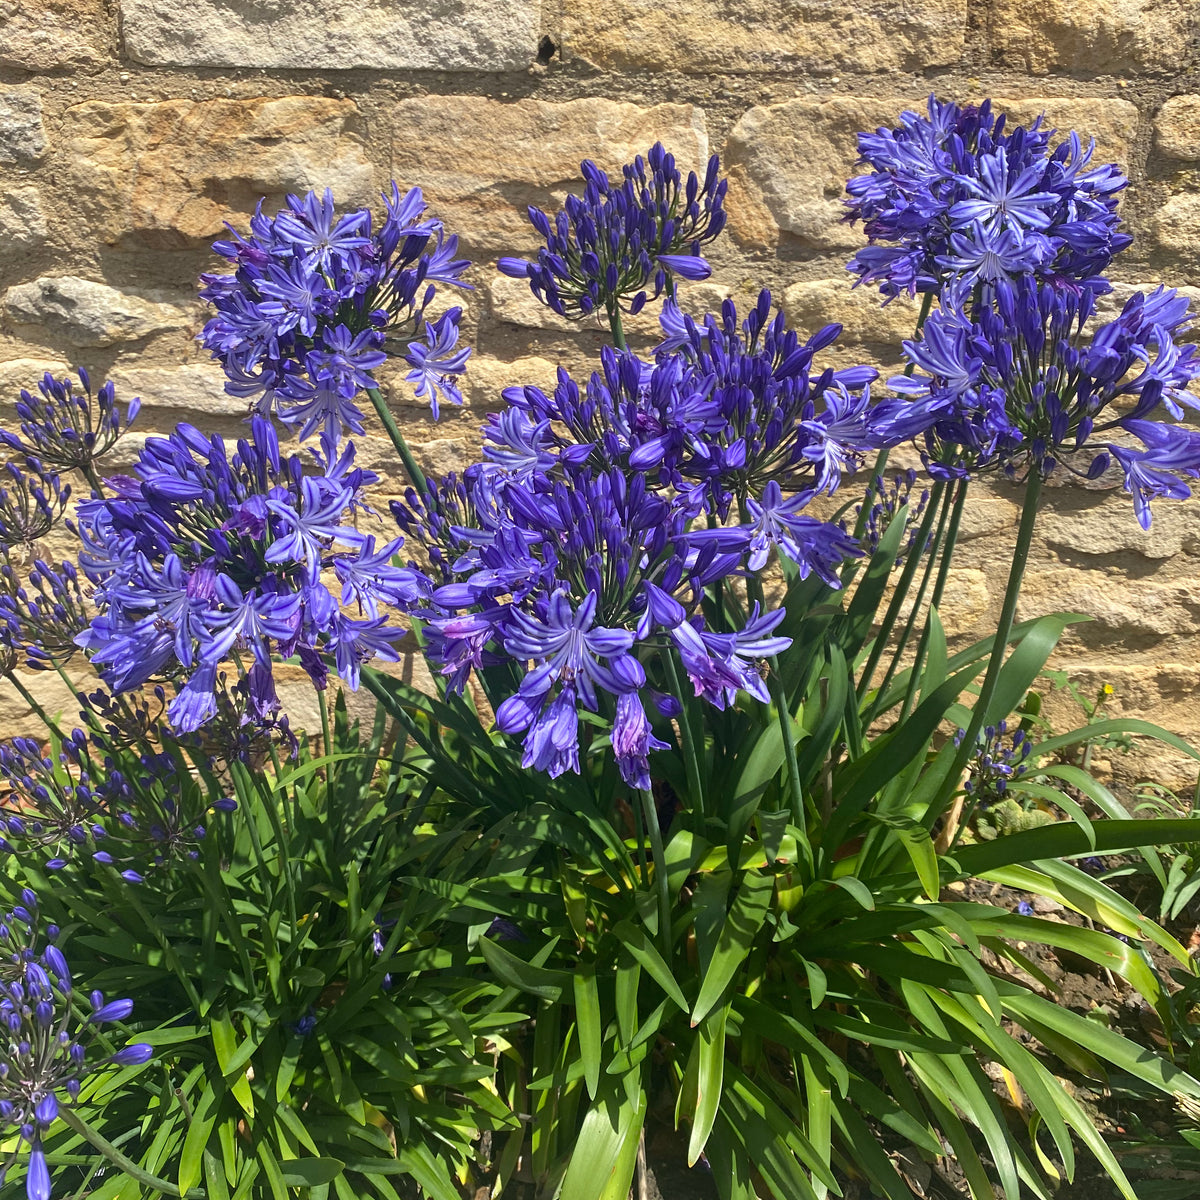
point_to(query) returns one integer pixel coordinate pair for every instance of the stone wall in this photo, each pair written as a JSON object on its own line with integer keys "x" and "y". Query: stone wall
{"x": 131, "y": 129}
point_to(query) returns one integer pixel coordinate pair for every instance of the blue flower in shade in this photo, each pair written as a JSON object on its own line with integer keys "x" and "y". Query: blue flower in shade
{"x": 956, "y": 193}
{"x": 204, "y": 557}
{"x": 722, "y": 664}
{"x": 993, "y": 765}
{"x": 1017, "y": 383}
{"x": 32, "y": 499}
{"x": 632, "y": 741}
{"x": 45, "y": 1045}
{"x": 622, "y": 242}
{"x": 69, "y": 429}
{"x": 318, "y": 301}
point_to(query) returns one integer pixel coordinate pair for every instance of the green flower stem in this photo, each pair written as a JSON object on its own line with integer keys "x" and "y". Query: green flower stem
{"x": 393, "y": 431}
{"x": 881, "y": 458}
{"x": 1008, "y": 612}
{"x": 931, "y": 561}
{"x": 935, "y": 600}
{"x": 124, "y": 1162}
{"x": 905, "y": 582}
{"x": 614, "y": 322}
{"x": 663, "y": 886}
{"x": 687, "y": 736}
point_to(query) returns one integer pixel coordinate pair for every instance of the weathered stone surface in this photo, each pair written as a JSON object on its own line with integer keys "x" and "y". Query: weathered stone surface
{"x": 765, "y": 35}
{"x": 965, "y": 601}
{"x": 486, "y": 378}
{"x": 87, "y": 313}
{"x": 858, "y": 310}
{"x": 1099, "y": 36}
{"x": 167, "y": 393}
{"x": 168, "y": 173}
{"x": 18, "y": 373}
{"x": 1109, "y": 527}
{"x": 40, "y": 36}
{"x": 1176, "y": 229}
{"x": 1177, "y": 128}
{"x": 788, "y": 163}
{"x": 985, "y": 515}
{"x": 22, "y": 222}
{"x": 1118, "y": 604}
{"x": 512, "y": 302}
{"x": 481, "y": 162}
{"x": 22, "y": 135}
{"x": 392, "y": 35}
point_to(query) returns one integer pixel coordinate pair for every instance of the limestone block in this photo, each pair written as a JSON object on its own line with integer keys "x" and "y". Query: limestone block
{"x": 1117, "y": 603}
{"x": 389, "y": 35}
{"x": 1099, "y": 36}
{"x": 1177, "y": 128}
{"x": 481, "y": 162}
{"x": 44, "y": 35}
{"x": 788, "y": 163}
{"x": 1176, "y": 229}
{"x": 1109, "y": 527}
{"x": 87, "y": 313}
{"x": 22, "y": 222}
{"x": 169, "y": 173}
{"x": 486, "y": 378}
{"x": 22, "y": 135}
{"x": 170, "y": 394}
{"x": 863, "y": 318}
{"x": 765, "y": 35}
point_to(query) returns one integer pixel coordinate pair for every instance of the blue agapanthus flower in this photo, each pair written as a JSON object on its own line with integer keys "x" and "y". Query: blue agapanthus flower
{"x": 584, "y": 577}
{"x": 318, "y": 301}
{"x": 44, "y": 1042}
{"x": 622, "y": 242}
{"x": 957, "y": 193}
{"x": 729, "y": 406}
{"x": 1020, "y": 383}
{"x": 997, "y": 761}
{"x": 42, "y": 613}
{"x": 65, "y": 426}
{"x": 205, "y": 558}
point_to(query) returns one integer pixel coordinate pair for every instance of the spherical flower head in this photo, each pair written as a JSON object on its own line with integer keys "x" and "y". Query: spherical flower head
{"x": 42, "y": 614}
{"x": 623, "y": 242}
{"x": 958, "y": 193}
{"x": 317, "y": 301}
{"x": 1022, "y": 383}
{"x": 64, "y": 426}
{"x": 207, "y": 556}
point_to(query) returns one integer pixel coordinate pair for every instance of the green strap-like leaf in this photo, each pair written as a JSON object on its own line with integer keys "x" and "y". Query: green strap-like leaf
{"x": 741, "y": 927}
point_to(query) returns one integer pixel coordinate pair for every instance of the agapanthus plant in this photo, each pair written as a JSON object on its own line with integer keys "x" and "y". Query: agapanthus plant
{"x": 203, "y": 558}
{"x": 44, "y": 612}
{"x": 959, "y": 194}
{"x": 318, "y": 301}
{"x": 624, "y": 242}
{"x": 69, "y": 429}
{"x": 44, "y": 1040}
{"x": 32, "y": 499}
{"x": 1021, "y": 383}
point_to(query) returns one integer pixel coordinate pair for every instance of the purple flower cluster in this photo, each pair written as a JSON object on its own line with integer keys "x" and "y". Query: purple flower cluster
{"x": 68, "y": 429}
{"x": 994, "y": 765}
{"x": 316, "y": 299}
{"x": 43, "y": 1044}
{"x": 608, "y": 247}
{"x": 205, "y": 557}
{"x": 957, "y": 194}
{"x": 1016, "y": 383}
{"x": 731, "y": 411}
{"x": 887, "y": 501}
{"x": 582, "y": 545}
{"x": 42, "y": 615}
{"x": 32, "y": 500}
{"x": 579, "y": 575}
